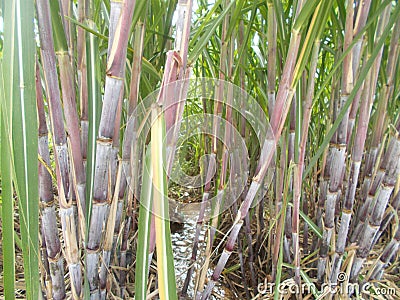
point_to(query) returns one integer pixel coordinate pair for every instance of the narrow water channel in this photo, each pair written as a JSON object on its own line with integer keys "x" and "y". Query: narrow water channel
{"x": 182, "y": 245}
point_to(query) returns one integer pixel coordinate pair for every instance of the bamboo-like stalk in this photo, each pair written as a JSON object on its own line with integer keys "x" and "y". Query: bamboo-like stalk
{"x": 219, "y": 93}
{"x": 101, "y": 189}
{"x": 356, "y": 156}
{"x": 82, "y": 78}
{"x": 68, "y": 221}
{"x": 48, "y": 212}
{"x": 184, "y": 12}
{"x": 278, "y": 209}
{"x": 127, "y": 150}
{"x": 300, "y": 137}
{"x": 390, "y": 212}
{"x": 72, "y": 125}
{"x": 372, "y": 225}
{"x": 386, "y": 93}
{"x": 388, "y": 253}
{"x": 278, "y": 118}
{"x": 66, "y": 11}
{"x": 338, "y": 147}
{"x": 360, "y": 21}
{"x": 108, "y": 237}
{"x": 67, "y": 82}
{"x": 307, "y": 105}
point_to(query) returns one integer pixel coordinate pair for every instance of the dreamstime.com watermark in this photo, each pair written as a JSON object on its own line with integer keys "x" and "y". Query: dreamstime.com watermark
{"x": 343, "y": 287}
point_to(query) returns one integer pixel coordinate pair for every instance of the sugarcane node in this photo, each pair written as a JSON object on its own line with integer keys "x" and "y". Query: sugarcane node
{"x": 104, "y": 140}
{"x": 93, "y": 251}
{"x": 56, "y": 258}
{"x": 99, "y": 202}
{"x": 114, "y": 77}
{"x": 46, "y": 204}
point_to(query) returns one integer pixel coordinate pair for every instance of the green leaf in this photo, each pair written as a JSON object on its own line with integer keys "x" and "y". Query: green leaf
{"x": 202, "y": 42}
{"x": 21, "y": 123}
{"x": 165, "y": 258}
{"x": 144, "y": 222}
{"x": 7, "y": 204}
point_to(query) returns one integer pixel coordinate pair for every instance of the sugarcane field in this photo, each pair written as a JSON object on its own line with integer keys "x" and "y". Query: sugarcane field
{"x": 199, "y": 149}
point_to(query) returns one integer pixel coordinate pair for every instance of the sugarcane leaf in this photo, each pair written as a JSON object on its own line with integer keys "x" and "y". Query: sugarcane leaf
{"x": 144, "y": 222}
{"x": 203, "y": 40}
{"x": 60, "y": 41}
{"x": 310, "y": 223}
{"x": 21, "y": 126}
{"x": 7, "y": 201}
{"x": 306, "y": 11}
{"x": 165, "y": 261}
{"x": 94, "y": 110}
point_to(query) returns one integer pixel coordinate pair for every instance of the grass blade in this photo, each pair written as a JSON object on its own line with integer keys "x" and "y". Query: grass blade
{"x": 165, "y": 263}
{"x": 142, "y": 262}
{"x": 7, "y": 208}
{"x": 19, "y": 59}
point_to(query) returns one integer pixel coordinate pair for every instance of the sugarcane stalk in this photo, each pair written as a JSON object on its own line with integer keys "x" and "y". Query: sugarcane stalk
{"x": 390, "y": 212}
{"x": 67, "y": 213}
{"x": 67, "y": 82}
{"x": 45, "y": 278}
{"x": 278, "y": 209}
{"x": 184, "y": 12}
{"x": 326, "y": 167}
{"x": 72, "y": 125}
{"x": 338, "y": 147}
{"x": 283, "y": 98}
{"x": 127, "y": 148}
{"x": 347, "y": 209}
{"x": 374, "y": 220}
{"x": 66, "y": 11}
{"x": 307, "y": 105}
{"x": 108, "y": 237}
{"x": 82, "y": 79}
{"x": 101, "y": 189}
{"x": 49, "y": 218}
{"x": 290, "y": 159}
{"x": 387, "y": 255}
{"x": 380, "y": 121}
{"x": 362, "y": 128}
